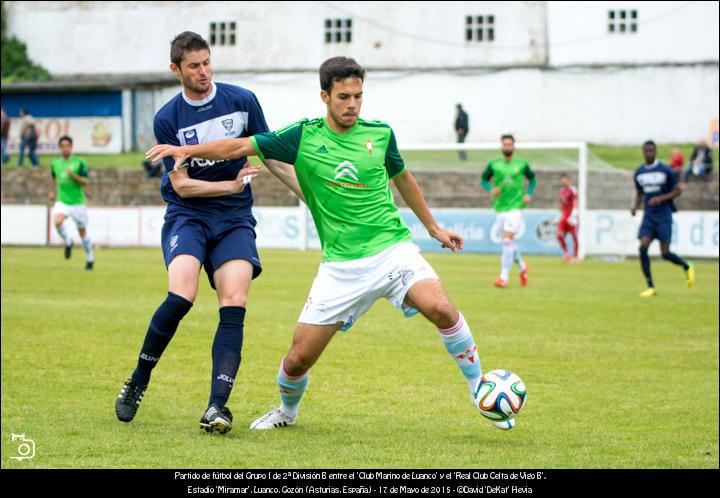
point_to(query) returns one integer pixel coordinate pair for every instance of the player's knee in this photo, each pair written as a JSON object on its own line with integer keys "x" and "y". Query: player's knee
{"x": 296, "y": 363}
{"x": 233, "y": 299}
{"x": 665, "y": 254}
{"x": 442, "y": 313}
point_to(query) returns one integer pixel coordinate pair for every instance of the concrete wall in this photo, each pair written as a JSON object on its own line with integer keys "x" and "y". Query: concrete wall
{"x": 127, "y": 187}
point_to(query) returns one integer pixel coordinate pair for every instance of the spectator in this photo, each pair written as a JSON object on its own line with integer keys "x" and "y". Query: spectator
{"x": 701, "y": 162}
{"x": 462, "y": 123}
{"x": 28, "y": 138}
{"x": 4, "y": 135}
{"x": 677, "y": 160}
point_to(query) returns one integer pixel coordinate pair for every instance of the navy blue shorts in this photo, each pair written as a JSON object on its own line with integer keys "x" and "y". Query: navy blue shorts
{"x": 211, "y": 245}
{"x": 656, "y": 229}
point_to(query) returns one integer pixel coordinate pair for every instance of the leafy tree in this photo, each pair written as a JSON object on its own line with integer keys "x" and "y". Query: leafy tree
{"x": 16, "y": 65}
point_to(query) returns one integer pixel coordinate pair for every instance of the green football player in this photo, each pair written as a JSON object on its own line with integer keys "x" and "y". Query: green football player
{"x": 343, "y": 166}
{"x": 69, "y": 179}
{"x": 509, "y": 199}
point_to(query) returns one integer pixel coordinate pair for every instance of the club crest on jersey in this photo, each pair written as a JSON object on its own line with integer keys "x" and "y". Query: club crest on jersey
{"x": 191, "y": 137}
{"x": 369, "y": 146}
{"x": 228, "y": 124}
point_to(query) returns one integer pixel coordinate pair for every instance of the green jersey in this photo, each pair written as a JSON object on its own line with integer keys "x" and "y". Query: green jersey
{"x": 69, "y": 192}
{"x": 509, "y": 179}
{"x": 344, "y": 178}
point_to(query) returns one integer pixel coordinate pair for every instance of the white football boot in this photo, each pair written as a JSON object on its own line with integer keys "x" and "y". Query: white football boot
{"x": 273, "y": 420}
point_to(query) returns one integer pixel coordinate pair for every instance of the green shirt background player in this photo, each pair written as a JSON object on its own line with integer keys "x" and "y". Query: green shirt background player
{"x": 343, "y": 165}
{"x": 509, "y": 198}
{"x": 69, "y": 179}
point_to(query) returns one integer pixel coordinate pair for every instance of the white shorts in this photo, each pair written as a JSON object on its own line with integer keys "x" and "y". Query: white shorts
{"x": 343, "y": 291}
{"x": 510, "y": 221}
{"x": 77, "y": 212}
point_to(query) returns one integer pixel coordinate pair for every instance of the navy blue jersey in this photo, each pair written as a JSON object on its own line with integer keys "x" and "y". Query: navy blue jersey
{"x": 653, "y": 180}
{"x": 228, "y": 112}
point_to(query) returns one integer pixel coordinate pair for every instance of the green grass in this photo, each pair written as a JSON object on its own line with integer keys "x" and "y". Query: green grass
{"x": 614, "y": 381}
{"x": 625, "y": 157}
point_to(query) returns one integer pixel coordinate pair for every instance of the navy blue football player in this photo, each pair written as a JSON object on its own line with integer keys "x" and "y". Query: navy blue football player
{"x": 208, "y": 223}
{"x": 656, "y": 186}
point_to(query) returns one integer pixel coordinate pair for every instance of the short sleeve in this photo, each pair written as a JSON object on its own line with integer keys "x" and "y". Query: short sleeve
{"x": 393, "y": 160}
{"x": 83, "y": 169}
{"x": 256, "y": 118}
{"x": 282, "y": 144}
{"x": 164, "y": 135}
{"x": 671, "y": 180}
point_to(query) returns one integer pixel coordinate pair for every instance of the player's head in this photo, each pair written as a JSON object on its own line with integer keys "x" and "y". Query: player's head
{"x": 341, "y": 83}
{"x": 190, "y": 62}
{"x": 23, "y": 112}
{"x": 507, "y": 145}
{"x": 564, "y": 180}
{"x": 65, "y": 144}
{"x": 649, "y": 151}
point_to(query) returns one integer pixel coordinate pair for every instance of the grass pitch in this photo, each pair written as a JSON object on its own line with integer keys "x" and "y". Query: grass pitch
{"x": 613, "y": 380}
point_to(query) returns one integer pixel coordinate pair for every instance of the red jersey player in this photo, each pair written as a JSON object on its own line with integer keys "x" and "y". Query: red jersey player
{"x": 568, "y": 218}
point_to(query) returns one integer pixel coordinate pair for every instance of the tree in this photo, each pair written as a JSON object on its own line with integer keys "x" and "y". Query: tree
{"x": 16, "y": 65}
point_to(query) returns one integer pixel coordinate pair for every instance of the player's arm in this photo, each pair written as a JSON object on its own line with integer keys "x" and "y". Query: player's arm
{"x": 53, "y": 185}
{"x": 187, "y": 187}
{"x": 485, "y": 181}
{"x": 638, "y": 201}
{"x": 411, "y": 194}
{"x": 530, "y": 175}
{"x": 219, "y": 150}
{"x": 659, "y": 199}
{"x": 81, "y": 177}
{"x": 286, "y": 174}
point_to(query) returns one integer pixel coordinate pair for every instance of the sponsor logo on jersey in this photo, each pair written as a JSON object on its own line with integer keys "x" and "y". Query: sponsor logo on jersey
{"x": 348, "y": 172}
{"x": 191, "y": 137}
{"x": 205, "y": 108}
{"x": 322, "y": 150}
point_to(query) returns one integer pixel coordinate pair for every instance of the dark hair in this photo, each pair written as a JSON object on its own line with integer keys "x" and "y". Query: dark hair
{"x": 650, "y": 142}
{"x": 564, "y": 175}
{"x": 63, "y": 138}
{"x": 507, "y": 135}
{"x": 337, "y": 69}
{"x": 186, "y": 41}
{"x": 24, "y": 111}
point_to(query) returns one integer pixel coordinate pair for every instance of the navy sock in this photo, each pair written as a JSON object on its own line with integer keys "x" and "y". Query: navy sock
{"x": 226, "y": 353}
{"x": 162, "y": 327}
{"x": 645, "y": 264}
{"x": 674, "y": 258}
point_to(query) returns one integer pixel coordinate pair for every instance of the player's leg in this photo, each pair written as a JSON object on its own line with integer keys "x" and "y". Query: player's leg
{"x": 573, "y": 234}
{"x": 61, "y": 214}
{"x": 431, "y": 300}
{"x": 232, "y": 283}
{"x": 645, "y": 241}
{"x": 183, "y": 245}
{"x": 513, "y": 224}
{"x": 675, "y": 259}
{"x": 309, "y": 341}
{"x": 561, "y": 234}
{"x": 79, "y": 215}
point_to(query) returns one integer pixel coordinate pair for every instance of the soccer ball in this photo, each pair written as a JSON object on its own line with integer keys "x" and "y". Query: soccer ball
{"x": 500, "y": 395}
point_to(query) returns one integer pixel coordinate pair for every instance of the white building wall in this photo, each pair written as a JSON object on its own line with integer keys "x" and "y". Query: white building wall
{"x": 668, "y": 32}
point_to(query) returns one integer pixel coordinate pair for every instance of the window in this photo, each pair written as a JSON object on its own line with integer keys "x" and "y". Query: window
{"x": 338, "y": 30}
{"x": 480, "y": 28}
{"x": 223, "y": 33}
{"x": 622, "y": 21}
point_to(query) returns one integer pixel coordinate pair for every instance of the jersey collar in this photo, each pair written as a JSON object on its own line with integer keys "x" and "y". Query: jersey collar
{"x": 198, "y": 103}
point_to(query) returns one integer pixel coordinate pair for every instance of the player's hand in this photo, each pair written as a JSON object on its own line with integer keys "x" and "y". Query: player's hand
{"x": 158, "y": 152}
{"x": 449, "y": 240}
{"x": 654, "y": 201}
{"x": 527, "y": 199}
{"x": 245, "y": 176}
{"x": 633, "y": 211}
{"x": 495, "y": 191}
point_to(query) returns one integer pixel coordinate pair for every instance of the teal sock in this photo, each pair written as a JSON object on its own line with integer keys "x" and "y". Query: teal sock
{"x": 63, "y": 233}
{"x": 459, "y": 343}
{"x": 291, "y": 390}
